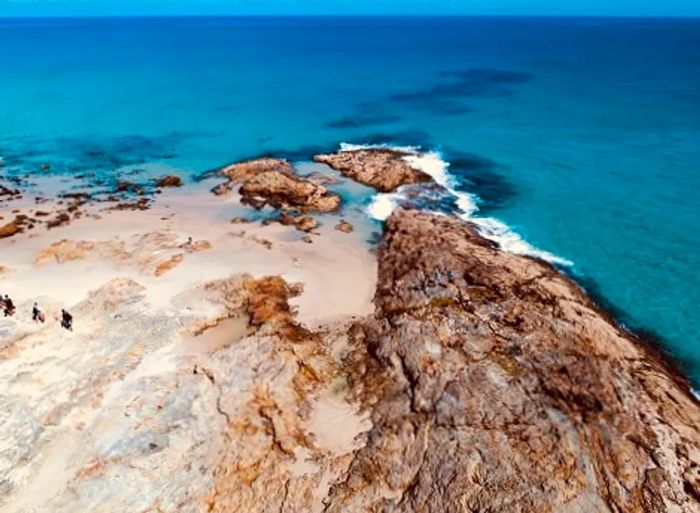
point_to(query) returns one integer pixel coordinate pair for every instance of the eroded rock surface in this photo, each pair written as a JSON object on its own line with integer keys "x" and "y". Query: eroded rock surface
{"x": 283, "y": 191}
{"x": 273, "y": 182}
{"x": 385, "y": 170}
{"x": 152, "y": 253}
{"x": 497, "y": 385}
{"x": 484, "y": 381}
{"x": 129, "y": 413}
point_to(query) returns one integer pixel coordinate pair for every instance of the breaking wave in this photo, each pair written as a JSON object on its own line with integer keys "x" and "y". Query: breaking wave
{"x": 432, "y": 163}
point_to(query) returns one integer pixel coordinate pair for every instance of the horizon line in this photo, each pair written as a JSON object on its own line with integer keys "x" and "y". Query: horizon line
{"x": 357, "y": 15}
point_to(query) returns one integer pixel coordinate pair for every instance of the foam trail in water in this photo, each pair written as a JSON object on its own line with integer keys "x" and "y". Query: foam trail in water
{"x": 355, "y": 147}
{"x": 431, "y": 163}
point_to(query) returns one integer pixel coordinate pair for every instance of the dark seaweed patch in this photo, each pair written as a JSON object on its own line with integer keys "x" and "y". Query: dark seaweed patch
{"x": 482, "y": 79}
{"x": 87, "y": 154}
{"x": 443, "y": 97}
{"x": 480, "y": 176}
{"x": 362, "y": 120}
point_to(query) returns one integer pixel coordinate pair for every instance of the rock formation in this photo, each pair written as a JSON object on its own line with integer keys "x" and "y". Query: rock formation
{"x": 168, "y": 181}
{"x": 497, "y": 385}
{"x": 241, "y": 171}
{"x": 284, "y": 191}
{"x": 385, "y": 170}
{"x": 302, "y": 223}
{"x": 10, "y": 229}
{"x": 273, "y": 182}
{"x": 344, "y": 226}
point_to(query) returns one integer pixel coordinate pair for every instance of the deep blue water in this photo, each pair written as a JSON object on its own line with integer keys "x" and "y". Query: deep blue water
{"x": 582, "y": 134}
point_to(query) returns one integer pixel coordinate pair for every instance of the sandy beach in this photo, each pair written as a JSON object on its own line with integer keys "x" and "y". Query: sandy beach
{"x": 107, "y": 267}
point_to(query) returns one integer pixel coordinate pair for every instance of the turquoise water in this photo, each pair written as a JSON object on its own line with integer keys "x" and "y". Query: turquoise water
{"x": 581, "y": 134}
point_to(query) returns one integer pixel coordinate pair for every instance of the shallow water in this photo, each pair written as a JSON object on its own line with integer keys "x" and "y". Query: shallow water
{"x": 581, "y": 134}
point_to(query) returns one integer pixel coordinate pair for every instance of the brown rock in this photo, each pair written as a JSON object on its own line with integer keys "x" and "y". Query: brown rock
{"x": 62, "y": 218}
{"x": 385, "y": 170}
{"x": 303, "y": 223}
{"x": 273, "y": 182}
{"x": 9, "y": 230}
{"x": 241, "y": 171}
{"x": 281, "y": 190}
{"x": 143, "y": 203}
{"x": 307, "y": 239}
{"x": 344, "y": 226}
{"x": 169, "y": 181}
{"x": 5, "y": 191}
{"x": 497, "y": 385}
{"x": 126, "y": 186}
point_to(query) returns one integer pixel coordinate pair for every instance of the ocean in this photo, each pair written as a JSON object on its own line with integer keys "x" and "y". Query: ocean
{"x": 576, "y": 138}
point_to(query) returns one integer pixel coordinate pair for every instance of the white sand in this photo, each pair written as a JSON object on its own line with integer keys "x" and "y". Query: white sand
{"x": 338, "y": 269}
{"x": 113, "y": 382}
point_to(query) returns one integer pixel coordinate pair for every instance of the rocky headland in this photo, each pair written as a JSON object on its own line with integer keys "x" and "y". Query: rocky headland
{"x": 247, "y": 371}
{"x": 383, "y": 169}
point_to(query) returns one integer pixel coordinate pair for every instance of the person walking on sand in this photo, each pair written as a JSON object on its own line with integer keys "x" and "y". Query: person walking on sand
{"x": 37, "y": 315}
{"x": 9, "y": 306}
{"x": 66, "y": 320}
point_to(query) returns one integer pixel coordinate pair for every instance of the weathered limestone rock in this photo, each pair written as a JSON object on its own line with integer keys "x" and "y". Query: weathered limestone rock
{"x": 385, "y": 170}
{"x": 124, "y": 415}
{"x": 497, "y": 385}
{"x": 284, "y": 191}
{"x": 273, "y": 182}
{"x": 67, "y": 250}
{"x": 241, "y": 171}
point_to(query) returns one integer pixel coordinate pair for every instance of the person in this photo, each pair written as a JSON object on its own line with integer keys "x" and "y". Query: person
{"x": 66, "y": 320}
{"x": 37, "y": 315}
{"x": 9, "y": 306}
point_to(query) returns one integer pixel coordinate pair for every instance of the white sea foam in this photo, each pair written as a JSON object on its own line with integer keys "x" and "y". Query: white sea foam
{"x": 432, "y": 163}
{"x": 355, "y": 147}
{"x": 383, "y": 204}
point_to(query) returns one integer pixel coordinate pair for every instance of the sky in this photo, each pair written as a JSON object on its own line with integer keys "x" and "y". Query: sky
{"x": 350, "y": 7}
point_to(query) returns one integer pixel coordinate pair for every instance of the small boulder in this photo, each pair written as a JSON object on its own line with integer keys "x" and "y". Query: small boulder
{"x": 344, "y": 226}
{"x": 9, "y": 230}
{"x": 169, "y": 181}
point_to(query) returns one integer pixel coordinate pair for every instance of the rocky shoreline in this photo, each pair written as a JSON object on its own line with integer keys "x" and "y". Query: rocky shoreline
{"x": 479, "y": 380}
{"x": 496, "y": 381}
